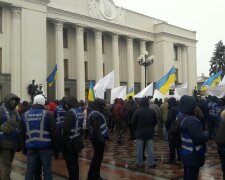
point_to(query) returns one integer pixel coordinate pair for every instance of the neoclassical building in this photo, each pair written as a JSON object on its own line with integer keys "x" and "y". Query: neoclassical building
{"x": 87, "y": 39}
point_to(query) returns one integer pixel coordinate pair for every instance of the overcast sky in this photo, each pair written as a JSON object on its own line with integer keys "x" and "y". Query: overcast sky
{"x": 207, "y": 17}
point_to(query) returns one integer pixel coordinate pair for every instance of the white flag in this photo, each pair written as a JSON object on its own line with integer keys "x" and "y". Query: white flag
{"x": 148, "y": 91}
{"x": 104, "y": 83}
{"x": 158, "y": 95}
{"x": 118, "y": 92}
{"x": 218, "y": 91}
{"x": 222, "y": 82}
{"x": 181, "y": 90}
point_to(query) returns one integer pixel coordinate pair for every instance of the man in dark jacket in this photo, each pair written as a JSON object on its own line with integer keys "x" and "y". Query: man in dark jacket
{"x": 38, "y": 131}
{"x": 144, "y": 121}
{"x": 9, "y": 134}
{"x": 193, "y": 139}
{"x": 98, "y": 134}
{"x": 72, "y": 135}
{"x": 171, "y": 118}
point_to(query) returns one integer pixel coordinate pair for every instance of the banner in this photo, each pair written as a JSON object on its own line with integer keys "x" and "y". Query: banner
{"x": 148, "y": 91}
{"x": 119, "y": 92}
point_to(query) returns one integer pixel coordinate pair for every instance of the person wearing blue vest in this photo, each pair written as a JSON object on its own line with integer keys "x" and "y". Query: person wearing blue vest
{"x": 9, "y": 134}
{"x": 59, "y": 115}
{"x": 39, "y": 138}
{"x": 98, "y": 131}
{"x": 72, "y": 136}
{"x": 193, "y": 139}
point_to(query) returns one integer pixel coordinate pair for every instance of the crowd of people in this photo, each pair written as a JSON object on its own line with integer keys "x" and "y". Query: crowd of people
{"x": 44, "y": 129}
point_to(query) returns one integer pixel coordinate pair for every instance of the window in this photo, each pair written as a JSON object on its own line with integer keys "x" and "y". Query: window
{"x": 175, "y": 53}
{"x": 85, "y": 41}
{"x": 0, "y": 60}
{"x": 176, "y": 76}
{"x": 66, "y": 69}
{"x": 0, "y": 19}
{"x": 103, "y": 69}
{"x": 67, "y": 92}
{"x": 65, "y": 38}
{"x": 86, "y": 70}
{"x": 103, "y": 45}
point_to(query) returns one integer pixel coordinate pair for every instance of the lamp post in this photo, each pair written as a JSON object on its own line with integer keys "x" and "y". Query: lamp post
{"x": 145, "y": 61}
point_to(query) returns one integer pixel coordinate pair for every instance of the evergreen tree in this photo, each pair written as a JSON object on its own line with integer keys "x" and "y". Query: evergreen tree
{"x": 217, "y": 62}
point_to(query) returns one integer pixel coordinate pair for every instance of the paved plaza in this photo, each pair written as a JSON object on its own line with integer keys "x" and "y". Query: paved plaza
{"x": 119, "y": 163}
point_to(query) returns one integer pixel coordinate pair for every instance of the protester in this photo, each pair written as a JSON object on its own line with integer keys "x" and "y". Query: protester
{"x": 72, "y": 136}
{"x": 39, "y": 139}
{"x": 144, "y": 121}
{"x": 164, "y": 114}
{"x": 9, "y": 134}
{"x": 193, "y": 147}
{"x": 98, "y": 134}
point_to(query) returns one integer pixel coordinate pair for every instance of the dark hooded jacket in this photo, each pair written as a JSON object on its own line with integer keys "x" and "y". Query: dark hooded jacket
{"x": 144, "y": 121}
{"x": 192, "y": 126}
{"x": 173, "y": 111}
{"x": 12, "y": 143}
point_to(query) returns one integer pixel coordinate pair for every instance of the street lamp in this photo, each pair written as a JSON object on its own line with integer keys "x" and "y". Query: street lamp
{"x": 145, "y": 61}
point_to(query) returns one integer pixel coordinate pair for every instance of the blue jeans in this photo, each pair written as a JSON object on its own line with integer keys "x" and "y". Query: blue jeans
{"x": 139, "y": 152}
{"x": 33, "y": 157}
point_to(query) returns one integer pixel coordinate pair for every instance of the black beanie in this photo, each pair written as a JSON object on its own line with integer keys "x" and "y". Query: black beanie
{"x": 187, "y": 104}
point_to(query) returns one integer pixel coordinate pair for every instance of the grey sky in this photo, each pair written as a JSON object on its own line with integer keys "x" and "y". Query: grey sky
{"x": 207, "y": 17}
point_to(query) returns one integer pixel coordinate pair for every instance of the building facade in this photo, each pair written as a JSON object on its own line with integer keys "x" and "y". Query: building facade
{"x": 87, "y": 39}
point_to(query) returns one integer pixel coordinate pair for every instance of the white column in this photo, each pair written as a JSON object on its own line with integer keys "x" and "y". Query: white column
{"x": 184, "y": 65}
{"x": 115, "y": 58}
{"x": 16, "y": 51}
{"x": 130, "y": 63}
{"x": 80, "y": 62}
{"x": 59, "y": 59}
{"x": 142, "y": 51}
{"x": 98, "y": 54}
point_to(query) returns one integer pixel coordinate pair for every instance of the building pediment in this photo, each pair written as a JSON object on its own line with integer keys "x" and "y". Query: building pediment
{"x": 40, "y": 1}
{"x": 106, "y": 10}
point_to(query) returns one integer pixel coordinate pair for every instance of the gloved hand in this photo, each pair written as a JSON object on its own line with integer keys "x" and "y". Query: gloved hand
{"x": 9, "y": 126}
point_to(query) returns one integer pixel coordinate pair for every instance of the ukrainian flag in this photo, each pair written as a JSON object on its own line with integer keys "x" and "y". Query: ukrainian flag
{"x": 212, "y": 81}
{"x": 53, "y": 76}
{"x": 91, "y": 93}
{"x": 130, "y": 93}
{"x": 164, "y": 83}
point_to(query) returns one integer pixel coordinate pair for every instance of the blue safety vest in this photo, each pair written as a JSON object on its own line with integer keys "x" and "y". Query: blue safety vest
{"x": 37, "y": 132}
{"x": 212, "y": 109}
{"x": 188, "y": 147}
{"x": 5, "y": 115}
{"x": 77, "y": 123}
{"x": 60, "y": 117}
{"x": 103, "y": 124}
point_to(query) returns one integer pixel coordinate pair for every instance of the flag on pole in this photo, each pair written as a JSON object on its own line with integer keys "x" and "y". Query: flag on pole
{"x": 212, "y": 81}
{"x": 53, "y": 76}
{"x": 130, "y": 93}
{"x": 104, "y": 83}
{"x": 91, "y": 94}
{"x": 164, "y": 83}
{"x": 148, "y": 91}
{"x": 118, "y": 92}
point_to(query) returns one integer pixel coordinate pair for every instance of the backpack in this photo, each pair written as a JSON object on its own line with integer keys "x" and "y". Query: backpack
{"x": 174, "y": 131}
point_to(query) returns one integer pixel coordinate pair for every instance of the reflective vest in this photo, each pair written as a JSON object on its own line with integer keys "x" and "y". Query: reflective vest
{"x": 4, "y": 117}
{"x": 103, "y": 124}
{"x": 188, "y": 147}
{"x": 212, "y": 109}
{"x": 37, "y": 133}
{"x": 77, "y": 123}
{"x": 60, "y": 117}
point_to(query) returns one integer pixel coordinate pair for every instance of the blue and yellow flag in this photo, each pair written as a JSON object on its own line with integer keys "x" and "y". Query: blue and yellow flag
{"x": 130, "y": 93}
{"x": 164, "y": 83}
{"x": 212, "y": 81}
{"x": 53, "y": 76}
{"x": 91, "y": 93}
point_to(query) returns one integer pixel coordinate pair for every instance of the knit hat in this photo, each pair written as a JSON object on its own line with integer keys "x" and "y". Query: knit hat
{"x": 187, "y": 104}
{"x": 39, "y": 99}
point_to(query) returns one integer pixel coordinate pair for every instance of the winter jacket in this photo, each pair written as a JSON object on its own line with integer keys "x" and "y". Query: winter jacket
{"x": 164, "y": 111}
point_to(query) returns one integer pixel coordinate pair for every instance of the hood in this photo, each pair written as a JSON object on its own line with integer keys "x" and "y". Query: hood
{"x": 144, "y": 102}
{"x": 10, "y": 97}
{"x": 187, "y": 104}
{"x": 172, "y": 102}
{"x": 71, "y": 101}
